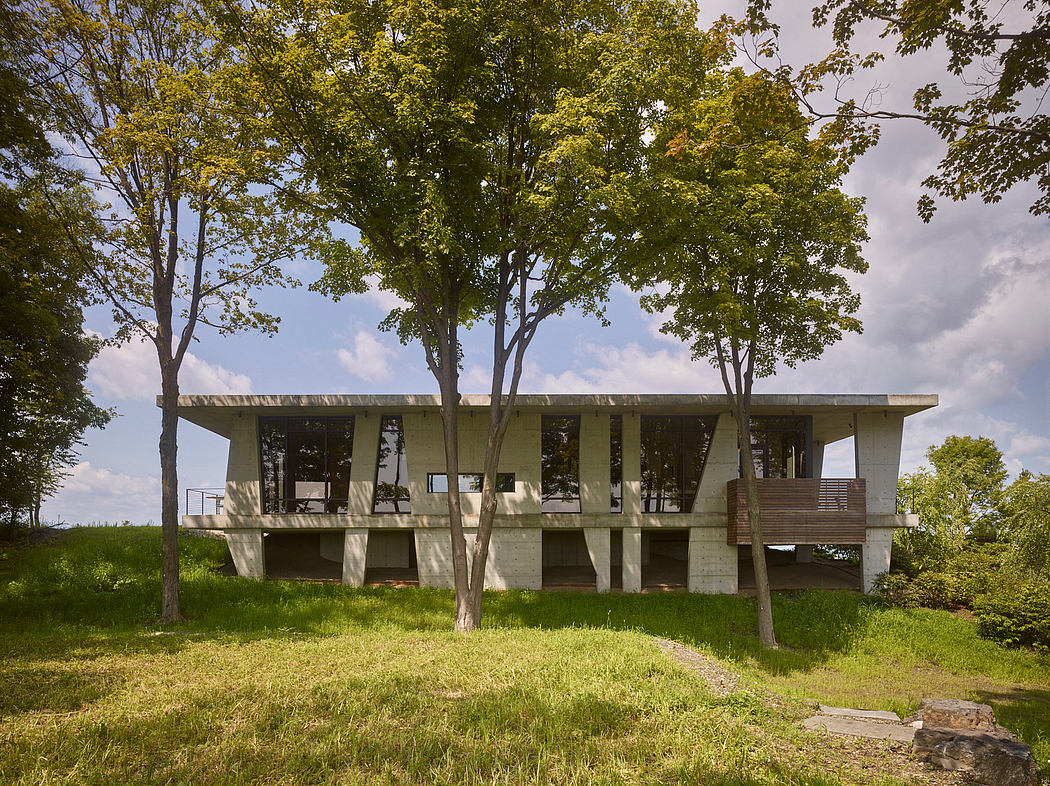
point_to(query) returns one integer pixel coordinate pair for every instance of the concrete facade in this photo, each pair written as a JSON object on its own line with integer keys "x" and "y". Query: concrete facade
{"x": 611, "y": 541}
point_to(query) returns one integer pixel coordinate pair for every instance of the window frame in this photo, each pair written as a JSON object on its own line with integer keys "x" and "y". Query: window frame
{"x": 685, "y": 499}
{"x": 285, "y": 500}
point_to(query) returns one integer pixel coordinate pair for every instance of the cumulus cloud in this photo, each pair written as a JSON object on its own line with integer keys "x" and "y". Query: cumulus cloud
{"x": 368, "y": 358}
{"x": 131, "y": 371}
{"x": 92, "y": 495}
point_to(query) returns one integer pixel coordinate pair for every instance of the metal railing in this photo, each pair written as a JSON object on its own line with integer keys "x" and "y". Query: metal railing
{"x": 204, "y": 502}
{"x": 800, "y": 510}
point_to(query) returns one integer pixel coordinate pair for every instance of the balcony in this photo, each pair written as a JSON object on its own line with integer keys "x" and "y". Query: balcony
{"x": 206, "y": 502}
{"x": 800, "y": 511}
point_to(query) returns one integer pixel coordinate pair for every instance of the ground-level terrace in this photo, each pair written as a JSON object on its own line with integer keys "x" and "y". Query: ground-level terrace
{"x": 610, "y": 492}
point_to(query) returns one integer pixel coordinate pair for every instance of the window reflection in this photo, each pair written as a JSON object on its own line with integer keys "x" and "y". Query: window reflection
{"x": 674, "y": 450}
{"x": 779, "y": 445}
{"x": 391, "y": 494}
{"x": 560, "y": 470}
{"x": 305, "y": 463}
{"x": 469, "y": 482}
{"x": 616, "y": 463}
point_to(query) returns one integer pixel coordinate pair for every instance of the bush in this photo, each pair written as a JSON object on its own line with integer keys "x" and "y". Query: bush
{"x": 1016, "y": 616}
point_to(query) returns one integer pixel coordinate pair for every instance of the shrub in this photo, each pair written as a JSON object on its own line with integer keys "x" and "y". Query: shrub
{"x": 1016, "y": 615}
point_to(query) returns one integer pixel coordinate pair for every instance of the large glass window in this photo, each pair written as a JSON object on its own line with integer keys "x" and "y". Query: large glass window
{"x": 391, "y": 494}
{"x": 616, "y": 463}
{"x": 780, "y": 445}
{"x": 305, "y": 463}
{"x": 469, "y": 482}
{"x": 560, "y": 471}
{"x": 674, "y": 450}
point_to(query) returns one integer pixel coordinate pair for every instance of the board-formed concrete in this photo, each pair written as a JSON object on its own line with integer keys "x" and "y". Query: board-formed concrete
{"x": 516, "y": 549}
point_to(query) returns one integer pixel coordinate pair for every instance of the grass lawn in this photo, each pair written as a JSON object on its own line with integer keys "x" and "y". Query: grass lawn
{"x": 305, "y": 683}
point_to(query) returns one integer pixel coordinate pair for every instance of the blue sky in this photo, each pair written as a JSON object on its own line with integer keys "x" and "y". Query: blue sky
{"x": 958, "y": 307}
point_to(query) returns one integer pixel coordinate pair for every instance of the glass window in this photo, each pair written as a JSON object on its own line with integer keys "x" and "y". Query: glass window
{"x": 779, "y": 445}
{"x": 560, "y": 469}
{"x": 674, "y": 450}
{"x": 616, "y": 463}
{"x": 391, "y": 495}
{"x": 469, "y": 482}
{"x": 306, "y": 463}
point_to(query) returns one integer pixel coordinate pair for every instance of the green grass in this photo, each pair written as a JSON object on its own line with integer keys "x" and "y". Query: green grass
{"x": 303, "y": 683}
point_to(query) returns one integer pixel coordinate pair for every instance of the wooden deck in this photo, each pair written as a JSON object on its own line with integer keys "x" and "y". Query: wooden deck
{"x": 800, "y": 511}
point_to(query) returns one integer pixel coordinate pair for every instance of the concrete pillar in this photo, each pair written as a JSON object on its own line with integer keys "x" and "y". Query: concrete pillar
{"x": 599, "y": 546}
{"x": 804, "y": 553}
{"x": 712, "y": 562}
{"x": 632, "y": 464}
{"x": 875, "y": 554}
{"x": 877, "y": 453}
{"x": 243, "y": 473}
{"x": 594, "y": 463}
{"x": 363, "y": 464}
{"x": 632, "y": 559}
{"x": 722, "y": 465}
{"x": 246, "y": 548}
{"x": 355, "y": 551}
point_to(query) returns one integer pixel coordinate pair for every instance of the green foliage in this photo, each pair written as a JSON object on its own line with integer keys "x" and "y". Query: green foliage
{"x": 1016, "y": 615}
{"x": 996, "y": 137}
{"x": 977, "y": 464}
{"x": 1026, "y": 524}
{"x": 44, "y": 351}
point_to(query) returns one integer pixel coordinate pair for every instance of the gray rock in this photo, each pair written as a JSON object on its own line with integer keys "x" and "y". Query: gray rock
{"x": 846, "y": 712}
{"x": 956, "y": 714}
{"x": 859, "y": 727}
{"x": 990, "y": 760}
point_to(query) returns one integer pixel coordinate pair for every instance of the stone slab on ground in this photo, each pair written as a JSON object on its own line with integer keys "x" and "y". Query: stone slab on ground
{"x": 846, "y": 712}
{"x": 860, "y": 727}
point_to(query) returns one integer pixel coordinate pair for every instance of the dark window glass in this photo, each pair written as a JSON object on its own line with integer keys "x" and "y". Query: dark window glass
{"x": 391, "y": 495}
{"x": 674, "y": 450}
{"x": 779, "y": 445}
{"x": 469, "y": 482}
{"x": 560, "y": 469}
{"x": 305, "y": 463}
{"x": 616, "y": 463}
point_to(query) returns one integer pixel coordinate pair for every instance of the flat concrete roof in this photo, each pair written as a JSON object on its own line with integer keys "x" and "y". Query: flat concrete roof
{"x": 832, "y": 413}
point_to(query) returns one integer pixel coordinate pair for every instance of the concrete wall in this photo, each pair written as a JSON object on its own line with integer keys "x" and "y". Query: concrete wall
{"x": 712, "y": 562}
{"x": 877, "y": 451}
{"x": 246, "y": 548}
{"x": 243, "y": 471}
{"x": 515, "y": 558}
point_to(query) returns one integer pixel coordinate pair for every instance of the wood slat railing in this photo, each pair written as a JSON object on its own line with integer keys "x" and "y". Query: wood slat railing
{"x": 800, "y": 511}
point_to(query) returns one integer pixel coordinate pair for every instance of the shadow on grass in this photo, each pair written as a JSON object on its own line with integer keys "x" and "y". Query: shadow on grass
{"x": 107, "y": 579}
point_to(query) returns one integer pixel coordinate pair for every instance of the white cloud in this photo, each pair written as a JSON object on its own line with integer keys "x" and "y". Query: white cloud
{"x": 369, "y": 359}
{"x": 131, "y": 371}
{"x": 97, "y": 495}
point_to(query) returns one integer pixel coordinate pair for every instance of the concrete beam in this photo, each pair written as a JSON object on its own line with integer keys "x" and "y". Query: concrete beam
{"x": 355, "y": 552}
{"x": 599, "y": 546}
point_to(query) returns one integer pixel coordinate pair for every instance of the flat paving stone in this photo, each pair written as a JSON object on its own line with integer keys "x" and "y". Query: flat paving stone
{"x": 846, "y": 712}
{"x": 857, "y": 727}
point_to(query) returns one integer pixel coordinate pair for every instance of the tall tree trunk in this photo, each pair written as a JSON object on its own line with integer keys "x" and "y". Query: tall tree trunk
{"x": 169, "y": 490}
{"x": 766, "y": 635}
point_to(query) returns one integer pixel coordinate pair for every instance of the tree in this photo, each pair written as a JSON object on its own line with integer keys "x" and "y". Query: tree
{"x": 1026, "y": 522}
{"x": 978, "y": 464}
{"x": 44, "y": 352}
{"x": 998, "y": 135}
{"x": 752, "y": 239}
{"x": 158, "y": 117}
{"x": 482, "y": 151}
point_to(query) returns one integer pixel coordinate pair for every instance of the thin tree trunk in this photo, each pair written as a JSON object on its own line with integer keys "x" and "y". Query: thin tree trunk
{"x": 169, "y": 484}
{"x": 766, "y": 635}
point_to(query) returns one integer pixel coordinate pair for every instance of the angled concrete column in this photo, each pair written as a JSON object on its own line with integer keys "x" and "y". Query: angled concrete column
{"x": 818, "y": 459}
{"x": 246, "y": 548}
{"x": 243, "y": 496}
{"x": 363, "y": 464}
{"x": 599, "y": 546}
{"x": 875, "y": 554}
{"x": 594, "y": 463}
{"x": 355, "y": 550}
{"x": 632, "y": 463}
{"x": 632, "y": 559}
{"x": 712, "y": 562}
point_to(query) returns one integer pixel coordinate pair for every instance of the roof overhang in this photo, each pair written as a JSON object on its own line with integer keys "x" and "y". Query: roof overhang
{"x": 832, "y": 413}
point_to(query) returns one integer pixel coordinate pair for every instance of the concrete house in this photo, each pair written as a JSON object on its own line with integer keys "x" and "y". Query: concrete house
{"x": 608, "y": 491}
